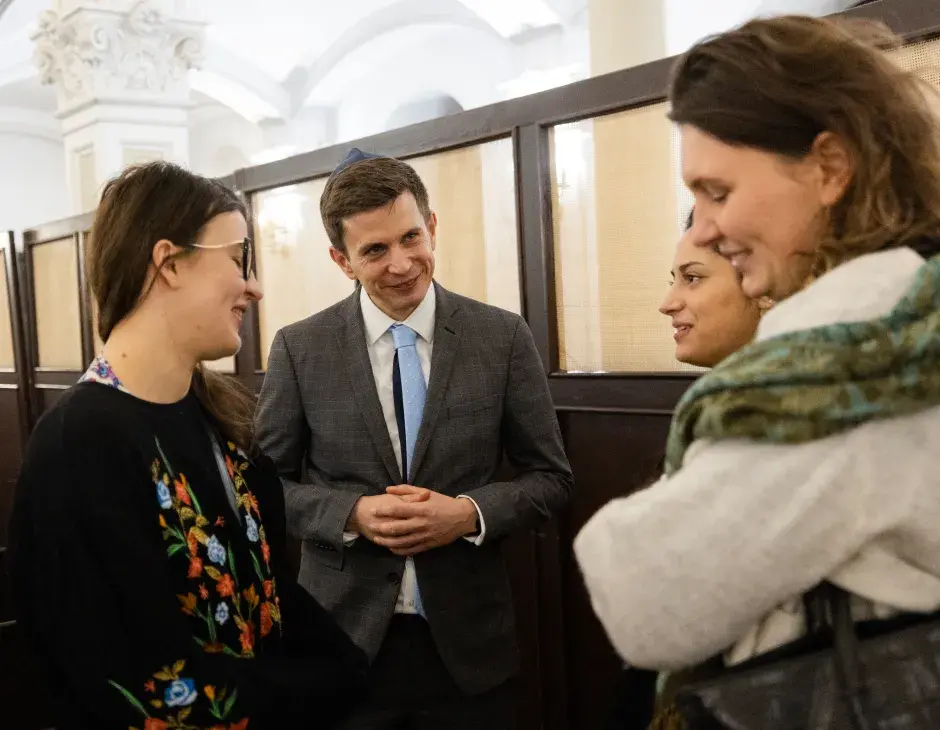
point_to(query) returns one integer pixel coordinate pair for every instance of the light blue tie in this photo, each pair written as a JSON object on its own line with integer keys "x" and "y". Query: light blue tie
{"x": 413, "y": 393}
{"x": 413, "y": 389}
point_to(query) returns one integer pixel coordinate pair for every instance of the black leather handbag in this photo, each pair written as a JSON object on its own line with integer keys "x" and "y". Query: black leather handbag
{"x": 888, "y": 679}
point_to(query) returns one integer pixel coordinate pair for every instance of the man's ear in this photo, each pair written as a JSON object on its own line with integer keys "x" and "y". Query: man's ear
{"x": 164, "y": 265}
{"x": 342, "y": 260}
{"x": 432, "y": 229}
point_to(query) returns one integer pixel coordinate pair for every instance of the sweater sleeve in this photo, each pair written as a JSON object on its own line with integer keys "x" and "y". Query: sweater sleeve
{"x": 678, "y": 572}
{"x": 93, "y": 596}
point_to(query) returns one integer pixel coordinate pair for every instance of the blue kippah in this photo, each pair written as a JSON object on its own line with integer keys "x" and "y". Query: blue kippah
{"x": 355, "y": 155}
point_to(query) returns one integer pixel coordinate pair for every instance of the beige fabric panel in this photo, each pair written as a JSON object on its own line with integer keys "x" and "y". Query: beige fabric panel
{"x": 294, "y": 266}
{"x": 7, "y": 360}
{"x": 58, "y": 323}
{"x": 472, "y": 191}
{"x": 615, "y": 195}
{"x": 923, "y": 58}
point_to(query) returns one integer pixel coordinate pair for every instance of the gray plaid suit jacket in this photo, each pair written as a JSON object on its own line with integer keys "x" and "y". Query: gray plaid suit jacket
{"x": 320, "y": 420}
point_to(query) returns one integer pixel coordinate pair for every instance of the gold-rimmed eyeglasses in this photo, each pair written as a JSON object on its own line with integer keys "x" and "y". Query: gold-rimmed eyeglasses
{"x": 248, "y": 253}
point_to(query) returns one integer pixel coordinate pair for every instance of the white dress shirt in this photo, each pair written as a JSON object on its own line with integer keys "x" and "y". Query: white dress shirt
{"x": 381, "y": 346}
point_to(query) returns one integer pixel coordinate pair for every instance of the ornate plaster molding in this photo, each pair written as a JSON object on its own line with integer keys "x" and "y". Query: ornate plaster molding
{"x": 96, "y": 52}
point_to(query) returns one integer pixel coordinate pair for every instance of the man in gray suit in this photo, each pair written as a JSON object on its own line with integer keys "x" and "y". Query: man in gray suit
{"x": 388, "y": 416}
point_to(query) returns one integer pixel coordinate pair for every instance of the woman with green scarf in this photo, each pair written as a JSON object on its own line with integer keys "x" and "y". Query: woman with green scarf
{"x": 808, "y": 455}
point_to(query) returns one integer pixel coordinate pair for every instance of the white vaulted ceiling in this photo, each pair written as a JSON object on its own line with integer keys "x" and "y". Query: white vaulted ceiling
{"x": 271, "y": 59}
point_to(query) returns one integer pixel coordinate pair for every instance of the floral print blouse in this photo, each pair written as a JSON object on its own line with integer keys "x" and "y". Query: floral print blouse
{"x": 166, "y": 576}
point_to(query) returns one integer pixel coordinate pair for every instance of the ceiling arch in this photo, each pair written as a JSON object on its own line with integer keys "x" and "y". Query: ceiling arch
{"x": 402, "y": 14}
{"x": 323, "y": 46}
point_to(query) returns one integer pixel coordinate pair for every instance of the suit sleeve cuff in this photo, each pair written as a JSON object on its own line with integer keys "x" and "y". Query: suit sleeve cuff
{"x": 478, "y": 538}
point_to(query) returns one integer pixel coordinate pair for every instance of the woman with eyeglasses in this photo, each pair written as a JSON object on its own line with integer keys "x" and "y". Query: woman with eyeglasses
{"x": 148, "y": 535}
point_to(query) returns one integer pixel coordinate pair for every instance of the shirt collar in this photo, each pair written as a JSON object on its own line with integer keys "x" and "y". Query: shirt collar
{"x": 377, "y": 322}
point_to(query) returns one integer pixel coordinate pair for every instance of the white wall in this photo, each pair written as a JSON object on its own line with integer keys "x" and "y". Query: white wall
{"x": 221, "y": 141}
{"x": 32, "y": 181}
{"x": 688, "y": 21}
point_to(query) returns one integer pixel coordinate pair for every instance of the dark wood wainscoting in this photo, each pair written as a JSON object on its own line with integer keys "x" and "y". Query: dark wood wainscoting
{"x": 47, "y": 394}
{"x": 612, "y": 455}
{"x": 12, "y": 438}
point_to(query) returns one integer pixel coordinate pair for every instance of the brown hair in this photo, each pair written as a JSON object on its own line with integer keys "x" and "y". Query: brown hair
{"x": 367, "y": 185}
{"x": 144, "y": 204}
{"x": 776, "y": 84}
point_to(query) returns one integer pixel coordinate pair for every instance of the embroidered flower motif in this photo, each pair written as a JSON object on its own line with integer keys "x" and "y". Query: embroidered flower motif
{"x": 192, "y": 543}
{"x": 180, "y": 693}
{"x": 250, "y": 610}
{"x": 153, "y": 723}
{"x": 247, "y": 636}
{"x": 225, "y": 586}
{"x": 251, "y": 528}
{"x": 216, "y": 551}
{"x": 188, "y": 603}
{"x": 163, "y": 495}
{"x": 251, "y": 595}
{"x": 267, "y": 623}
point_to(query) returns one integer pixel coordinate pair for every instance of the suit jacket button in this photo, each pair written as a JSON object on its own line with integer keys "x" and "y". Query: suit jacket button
{"x": 393, "y": 577}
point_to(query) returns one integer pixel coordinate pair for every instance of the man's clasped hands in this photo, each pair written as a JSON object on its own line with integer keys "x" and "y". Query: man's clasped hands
{"x": 409, "y": 520}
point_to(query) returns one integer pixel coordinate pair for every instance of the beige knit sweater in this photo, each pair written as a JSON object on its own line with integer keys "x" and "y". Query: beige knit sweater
{"x": 716, "y": 558}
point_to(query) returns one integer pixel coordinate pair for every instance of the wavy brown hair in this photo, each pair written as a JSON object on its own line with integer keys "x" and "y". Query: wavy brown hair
{"x": 144, "y": 204}
{"x": 776, "y": 84}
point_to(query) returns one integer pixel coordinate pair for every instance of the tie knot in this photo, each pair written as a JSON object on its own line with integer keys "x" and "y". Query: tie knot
{"x": 403, "y": 335}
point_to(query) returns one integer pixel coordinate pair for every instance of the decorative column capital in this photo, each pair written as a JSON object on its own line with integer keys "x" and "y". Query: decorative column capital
{"x": 101, "y": 52}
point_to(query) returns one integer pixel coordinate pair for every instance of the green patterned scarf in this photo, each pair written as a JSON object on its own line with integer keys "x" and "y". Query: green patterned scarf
{"x": 806, "y": 385}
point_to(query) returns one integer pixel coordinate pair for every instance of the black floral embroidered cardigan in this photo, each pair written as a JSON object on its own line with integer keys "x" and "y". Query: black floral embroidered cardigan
{"x": 153, "y": 602}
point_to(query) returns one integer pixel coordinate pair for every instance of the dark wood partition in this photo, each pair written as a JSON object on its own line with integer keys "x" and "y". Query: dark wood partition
{"x": 58, "y": 305}
{"x": 614, "y": 421}
{"x": 14, "y": 382}
{"x": 22, "y": 696}
{"x": 14, "y": 402}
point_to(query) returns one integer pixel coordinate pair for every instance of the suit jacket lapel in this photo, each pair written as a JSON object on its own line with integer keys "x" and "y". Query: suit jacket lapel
{"x": 352, "y": 342}
{"x": 446, "y": 340}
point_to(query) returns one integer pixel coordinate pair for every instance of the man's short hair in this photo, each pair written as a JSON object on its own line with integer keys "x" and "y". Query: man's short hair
{"x": 367, "y": 184}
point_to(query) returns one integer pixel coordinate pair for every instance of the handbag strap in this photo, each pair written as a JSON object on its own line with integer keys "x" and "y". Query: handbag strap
{"x": 829, "y": 612}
